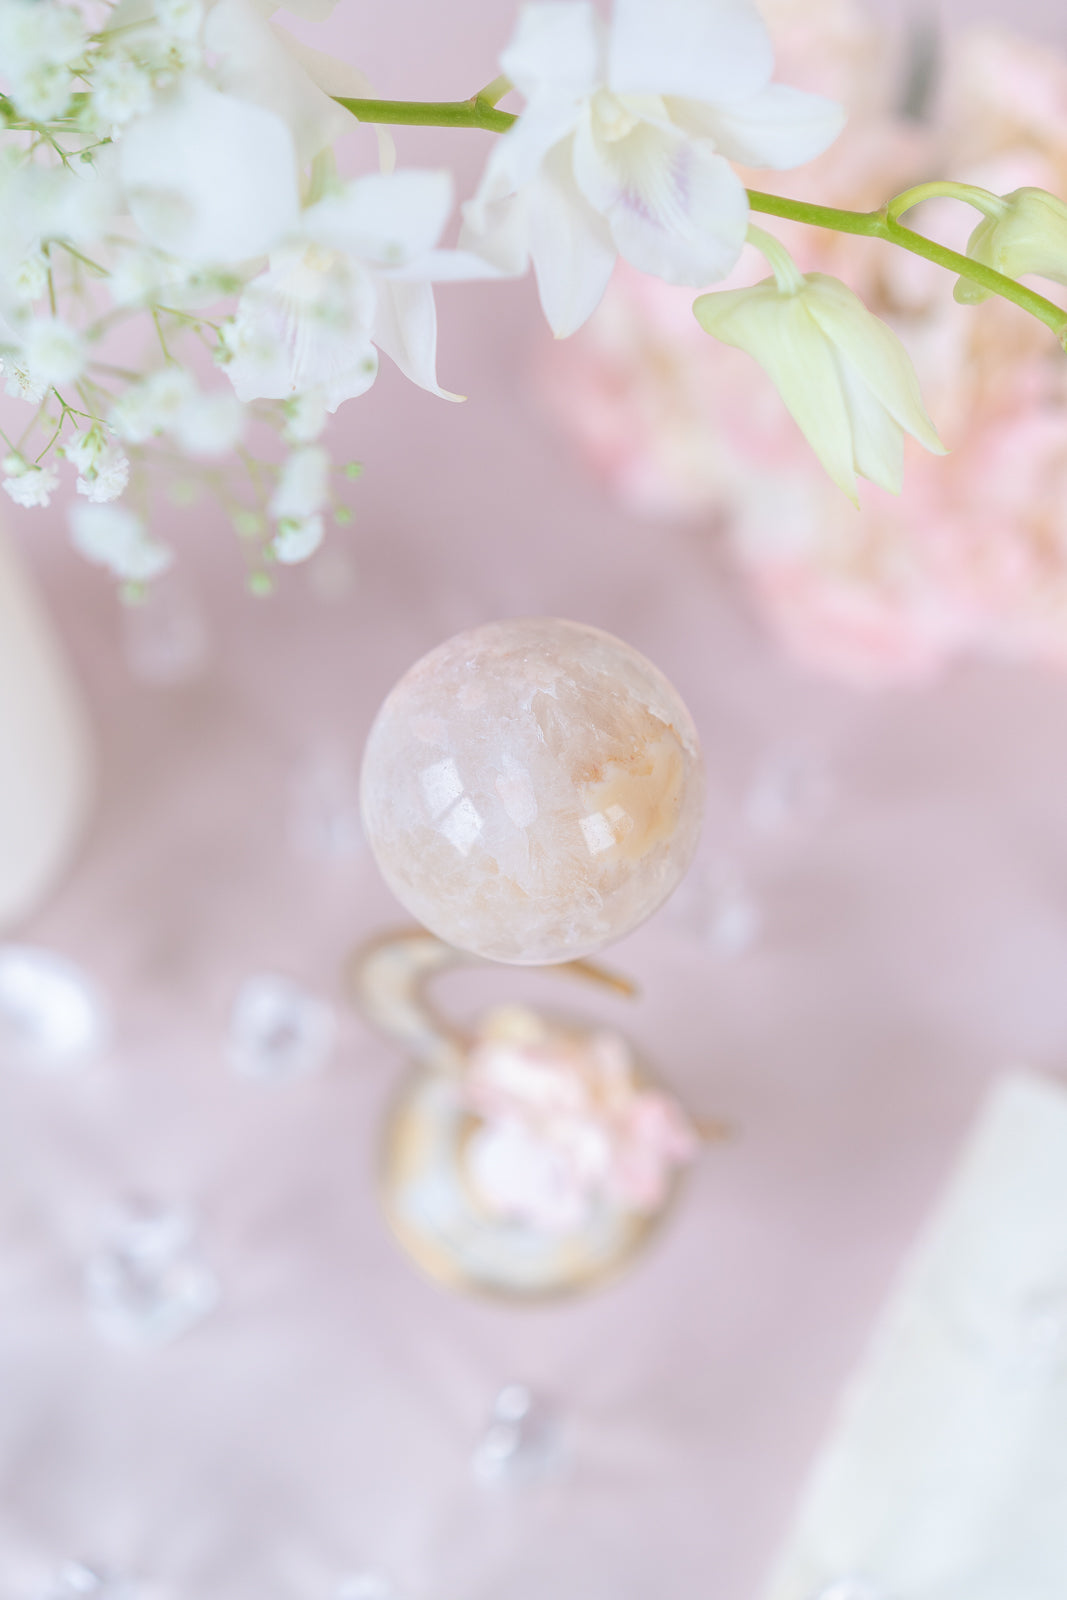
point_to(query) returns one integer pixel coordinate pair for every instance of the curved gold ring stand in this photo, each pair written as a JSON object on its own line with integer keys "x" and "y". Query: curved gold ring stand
{"x": 430, "y": 1203}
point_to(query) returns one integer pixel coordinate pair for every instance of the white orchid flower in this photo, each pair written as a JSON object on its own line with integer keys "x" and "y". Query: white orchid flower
{"x": 355, "y": 278}
{"x": 844, "y": 375}
{"x": 625, "y": 144}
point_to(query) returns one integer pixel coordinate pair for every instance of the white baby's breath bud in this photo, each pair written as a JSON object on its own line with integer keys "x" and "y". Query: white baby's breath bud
{"x": 209, "y": 425}
{"x": 843, "y": 374}
{"x": 1027, "y": 234}
{"x": 305, "y": 417}
{"x": 21, "y": 384}
{"x": 138, "y": 276}
{"x": 54, "y": 352}
{"x": 113, "y": 537}
{"x": 39, "y": 42}
{"x": 30, "y": 278}
{"x": 103, "y": 473}
{"x": 133, "y": 417}
{"x": 153, "y": 406}
{"x": 303, "y": 485}
{"x": 180, "y": 19}
{"x": 83, "y": 448}
{"x": 36, "y": 33}
{"x": 32, "y": 486}
{"x": 43, "y": 94}
{"x": 110, "y": 478}
{"x": 122, "y": 89}
{"x": 170, "y": 391}
{"x": 297, "y": 538}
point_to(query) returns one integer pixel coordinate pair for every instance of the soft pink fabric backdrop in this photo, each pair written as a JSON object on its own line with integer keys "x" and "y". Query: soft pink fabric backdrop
{"x": 915, "y": 944}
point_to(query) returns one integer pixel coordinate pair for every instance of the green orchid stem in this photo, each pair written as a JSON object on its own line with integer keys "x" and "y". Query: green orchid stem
{"x": 879, "y": 225}
{"x": 480, "y": 111}
{"x": 990, "y": 205}
{"x": 787, "y": 274}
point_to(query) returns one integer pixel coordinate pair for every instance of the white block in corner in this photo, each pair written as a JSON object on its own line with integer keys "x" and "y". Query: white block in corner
{"x": 45, "y": 751}
{"x": 946, "y": 1475}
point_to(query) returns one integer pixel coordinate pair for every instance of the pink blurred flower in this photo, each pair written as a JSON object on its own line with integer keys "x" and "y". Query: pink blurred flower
{"x": 972, "y": 557}
{"x": 565, "y": 1124}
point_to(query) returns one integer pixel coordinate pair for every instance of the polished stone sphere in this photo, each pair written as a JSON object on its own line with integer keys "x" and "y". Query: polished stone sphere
{"x": 532, "y": 790}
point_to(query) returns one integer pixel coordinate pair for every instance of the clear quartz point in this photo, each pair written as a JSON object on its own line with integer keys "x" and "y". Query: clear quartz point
{"x": 279, "y": 1030}
{"x": 51, "y": 1014}
{"x": 164, "y": 635}
{"x": 146, "y": 1283}
{"x": 522, "y": 1442}
{"x": 78, "y": 1579}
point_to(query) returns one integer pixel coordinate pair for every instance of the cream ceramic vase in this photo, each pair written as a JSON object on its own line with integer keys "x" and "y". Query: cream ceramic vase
{"x": 45, "y": 748}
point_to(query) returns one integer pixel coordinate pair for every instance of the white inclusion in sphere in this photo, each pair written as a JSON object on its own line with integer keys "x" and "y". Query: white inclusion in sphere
{"x": 532, "y": 790}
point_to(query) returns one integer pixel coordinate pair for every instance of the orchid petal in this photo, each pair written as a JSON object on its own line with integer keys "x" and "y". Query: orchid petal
{"x": 298, "y": 329}
{"x": 406, "y": 329}
{"x": 387, "y": 218}
{"x": 779, "y": 332}
{"x": 210, "y": 178}
{"x": 517, "y": 156}
{"x": 877, "y": 437}
{"x": 339, "y": 78}
{"x": 779, "y": 127}
{"x": 572, "y": 249}
{"x": 557, "y": 47}
{"x": 874, "y": 349}
{"x": 447, "y": 266}
{"x": 716, "y": 50}
{"x": 676, "y": 209}
{"x": 255, "y": 62}
{"x": 333, "y": 77}
{"x": 499, "y": 232}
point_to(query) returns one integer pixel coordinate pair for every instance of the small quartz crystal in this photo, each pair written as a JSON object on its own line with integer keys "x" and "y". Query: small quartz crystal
{"x": 78, "y": 1580}
{"x": 522, "y": 1442}
{"x": 279, "y": 1030}
{"x": 532, "y": 790}
{"x": 146, "y": 1283}
{"x": 51, "y": 1015}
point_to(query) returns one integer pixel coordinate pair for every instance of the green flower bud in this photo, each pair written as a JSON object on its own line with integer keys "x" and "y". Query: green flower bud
{"x": 1028, "y": 235}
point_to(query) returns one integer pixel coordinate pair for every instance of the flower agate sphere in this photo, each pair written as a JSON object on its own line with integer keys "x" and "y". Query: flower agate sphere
{"x": 532, "y": 790}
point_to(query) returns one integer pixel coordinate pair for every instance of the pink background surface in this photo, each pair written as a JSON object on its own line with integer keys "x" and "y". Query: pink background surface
{"x": 915, "y": 944}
